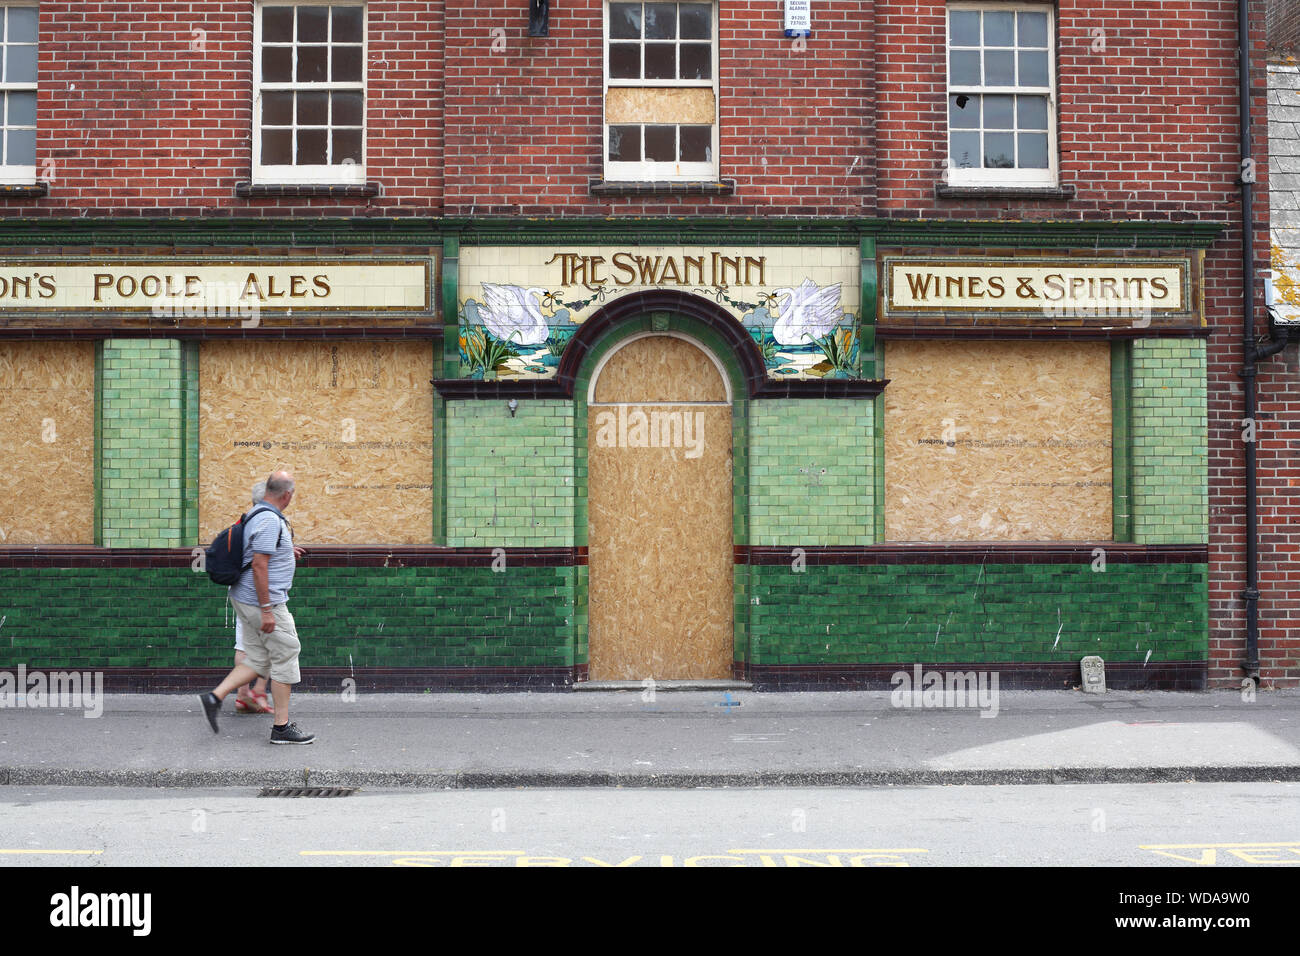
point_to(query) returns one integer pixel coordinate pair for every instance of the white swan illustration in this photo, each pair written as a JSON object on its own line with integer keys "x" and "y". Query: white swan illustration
{"x": 807, "y": 314}
{"x": 514, "y": 314}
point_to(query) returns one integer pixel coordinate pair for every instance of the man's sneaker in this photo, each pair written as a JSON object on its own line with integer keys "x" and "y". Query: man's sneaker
{"x": 211, "y": 707}
{"x": 290, "y": 734}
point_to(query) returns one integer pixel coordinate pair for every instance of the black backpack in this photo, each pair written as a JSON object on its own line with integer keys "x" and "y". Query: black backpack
{"x": 224, "y": 557}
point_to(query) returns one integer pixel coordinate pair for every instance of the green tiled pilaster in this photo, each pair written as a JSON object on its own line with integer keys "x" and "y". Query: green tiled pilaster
{"x": 509, "y": 478}
{"x": 439, "y": 468}
{"x": 99, "y": 445}
{"x": 740, "y": 613}
{"x": 450, "y": 292}
{"x": 190, "y": 455}
{"x": 1168, "y": 441}
{"x": 878, "y": 452}
{"x": 143, "y": 390}
{"x": 1121, "y": 464}
{"x": 811, "y": 472}
{"x": 867, "y": 325}
{"x": 579, "y": 610}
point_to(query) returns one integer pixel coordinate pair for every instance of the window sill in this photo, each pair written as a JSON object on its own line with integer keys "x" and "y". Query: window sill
{"x": 24, "y": 190}
{"x": 719, "y": 187}
{"x": 944, "y": 191}
{"x": 297, "y": 190}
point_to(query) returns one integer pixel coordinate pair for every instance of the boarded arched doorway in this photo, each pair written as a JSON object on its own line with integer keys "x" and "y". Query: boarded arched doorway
{"x": 659, "y": 496}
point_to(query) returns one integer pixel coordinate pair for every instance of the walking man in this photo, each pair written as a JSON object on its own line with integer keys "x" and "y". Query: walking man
{"x": 260, "y": 600}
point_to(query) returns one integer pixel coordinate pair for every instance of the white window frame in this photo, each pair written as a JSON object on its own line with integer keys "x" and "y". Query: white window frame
{"x": 1002, "y": 178}
{"x": 21, "y": 175}
{"x": 646, "y": 170}
{"x": 337, "y": 174}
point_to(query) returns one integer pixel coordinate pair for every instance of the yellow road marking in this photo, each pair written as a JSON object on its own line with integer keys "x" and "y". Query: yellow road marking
{"x": 1246, "y": 852}
{"x": 412, "y": 853}
{"x": 802, "y": 850}
{"x": 1205, "y": 846}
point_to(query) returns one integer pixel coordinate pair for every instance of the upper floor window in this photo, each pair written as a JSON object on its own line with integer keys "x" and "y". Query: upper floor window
{"x": 1001, "y": 95}
{"x": 661, "y": 67}
{"x": 18, "y": 94}
{"x": 309, "y": 91}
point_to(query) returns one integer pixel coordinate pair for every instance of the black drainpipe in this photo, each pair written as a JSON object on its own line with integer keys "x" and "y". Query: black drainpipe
{"x": 1251, "y": 352}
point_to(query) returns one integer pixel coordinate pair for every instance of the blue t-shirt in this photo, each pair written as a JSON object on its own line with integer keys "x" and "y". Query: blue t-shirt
{"x": 260, "y": 537}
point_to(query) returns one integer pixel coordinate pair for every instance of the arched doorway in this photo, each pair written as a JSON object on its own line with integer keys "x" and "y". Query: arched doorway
{"x": 659, "y": 506}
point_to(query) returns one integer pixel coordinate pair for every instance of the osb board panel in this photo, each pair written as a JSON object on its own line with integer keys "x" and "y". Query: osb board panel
{"x": 633, "y": 105}
{"x": 660, "y": 368}
{"x": 997, "y": 441}
{"x": 353, "y": 421}
{"x": 660, "y": 547}
{"x": 47, "y": 441}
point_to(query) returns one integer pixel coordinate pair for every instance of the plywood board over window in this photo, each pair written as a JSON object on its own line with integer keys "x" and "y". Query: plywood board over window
{"x": 353, "y": 421}
{"x": 47, "y": 442}
{"x": 997, "y": 441}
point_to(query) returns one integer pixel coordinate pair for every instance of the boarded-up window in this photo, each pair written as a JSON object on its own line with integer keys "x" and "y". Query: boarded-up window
{"x": 353, "y": 421}
{"x": 997, "y": 441}
{"x": 47, "y": 442}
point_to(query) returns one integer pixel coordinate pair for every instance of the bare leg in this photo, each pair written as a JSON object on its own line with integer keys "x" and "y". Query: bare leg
{"x": 244, "y": 689}
{"x": 280, "y": 693}
{"x": 240, "y": 675}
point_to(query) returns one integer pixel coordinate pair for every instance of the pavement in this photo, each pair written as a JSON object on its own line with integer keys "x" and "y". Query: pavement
{"x": 671, "y": 738}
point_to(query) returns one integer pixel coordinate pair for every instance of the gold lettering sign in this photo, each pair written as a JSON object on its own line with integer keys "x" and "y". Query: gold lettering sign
{"x": 709, "y": 269}
{"x": 174, "y": 288}
{"x": 1053, "y": 288}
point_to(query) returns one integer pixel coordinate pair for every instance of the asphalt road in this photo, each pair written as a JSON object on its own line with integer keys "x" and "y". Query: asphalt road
{"x": 1198, "y": 826}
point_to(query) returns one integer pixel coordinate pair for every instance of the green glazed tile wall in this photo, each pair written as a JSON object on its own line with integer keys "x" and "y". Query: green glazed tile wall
{"x": 509, "y": 480}
{"x": 811, "y": 472}
{"x": 999, "y": 612}
{"x": 142, "y": 420}
{"x": 391, "y": 617}
{"x": 524, "y": 616}
{"x": 1170, "y": 476}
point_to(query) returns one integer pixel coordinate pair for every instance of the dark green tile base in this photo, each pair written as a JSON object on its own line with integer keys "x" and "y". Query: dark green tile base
{"x": 440, "y": 626}
{"x": 1123, "y": 675}
{"x": 351, "y": 617}
{"x": 856, "y": 614}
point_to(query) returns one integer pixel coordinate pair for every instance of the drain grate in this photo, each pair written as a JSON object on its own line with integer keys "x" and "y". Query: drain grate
{"x": 307, "y": 791}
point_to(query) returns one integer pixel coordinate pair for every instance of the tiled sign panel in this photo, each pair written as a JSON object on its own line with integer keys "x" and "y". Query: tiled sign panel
{"x": 520, "y": 306}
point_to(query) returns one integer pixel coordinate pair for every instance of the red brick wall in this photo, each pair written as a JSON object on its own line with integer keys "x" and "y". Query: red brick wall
{"x": 1284, "y": 26}
{"x": 142, "y": 115}
{"x": 525, "y": 122}
{"x": 1147, "y": 122}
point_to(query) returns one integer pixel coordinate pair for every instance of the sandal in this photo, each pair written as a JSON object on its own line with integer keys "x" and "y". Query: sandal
{"x": 257, "y": 704}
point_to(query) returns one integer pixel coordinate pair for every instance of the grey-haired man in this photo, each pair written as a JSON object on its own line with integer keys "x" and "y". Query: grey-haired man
{"x": 260, "y": 599}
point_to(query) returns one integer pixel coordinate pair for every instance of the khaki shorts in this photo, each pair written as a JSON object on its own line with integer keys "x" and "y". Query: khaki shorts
{"x": 273, "y": 655}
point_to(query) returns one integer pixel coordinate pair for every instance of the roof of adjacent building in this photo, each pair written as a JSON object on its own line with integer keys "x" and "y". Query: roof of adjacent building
{"x": 1284, "y": 189}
